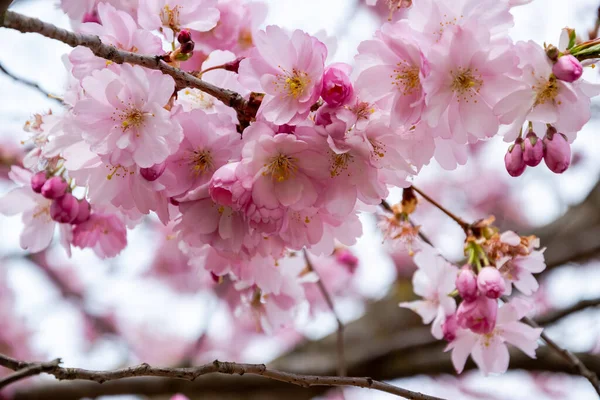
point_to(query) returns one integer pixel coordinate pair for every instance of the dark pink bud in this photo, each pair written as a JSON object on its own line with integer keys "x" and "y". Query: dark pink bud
{"x": 567, "y": 68}
{"x": 184, "y": 36}
{"x": 347, "y": 258}
{"x": 534, "y": 150}
{"x": 187, "y": 47}
{"x": 37, "y": 181}
{"x": 85, "y": 209}
{"x": 513, "y": 160}
{"x": 234, "y": 65}
{"x": 173, "y": 201}
{"x": 91, "y": 17}
{"x": 54, "y": 188}
{"x": 557, "y": 151}
{"x": 337, "y": 88}
{"x": 490, "y": 283}
{"x": 479, "y": 316}
{"x": 64, "y": 209}
{"x": 154, "y": 172}
{"x": 449, "y": 328}
{"x": 466, "y": 284}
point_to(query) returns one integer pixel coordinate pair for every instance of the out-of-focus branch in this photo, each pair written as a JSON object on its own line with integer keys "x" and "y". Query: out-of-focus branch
{"x": 190, "y": 374}
{"x": 557, "y": 315}
{"x": 341, "y": 358}
{"x": 27, "y": 371}
{"x": 22, "y": 23}
{"x": 29, "y": 83}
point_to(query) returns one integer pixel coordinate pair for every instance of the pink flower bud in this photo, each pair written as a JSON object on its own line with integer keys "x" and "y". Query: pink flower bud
{"x": 154, "y": 172}
{"x": 513, "y": 160}
{"x": 557, "y": 151}
{"x": 567, "y": 68}
{"x": 91, "y": 17}
{"x": 234, "y": 65}
{"x": 479, "y": 316}
{"x": 220, "y": 185}
{"x": 187, "y": 47}
{"x": 184, "y": 36}
{"x": 466, "y": 283}
{"x": 64, "y": 209}
{"x": 85, "y": 210}
{"x": 54, "y": 188}
{"x": 37, "y": 181}
{"x": 534, "y": 150}
{"x": 345, "y": 257}
{"x": 490, "y": 283}
{"x": 449, "y": 328}
{"x": 337, "y": 88}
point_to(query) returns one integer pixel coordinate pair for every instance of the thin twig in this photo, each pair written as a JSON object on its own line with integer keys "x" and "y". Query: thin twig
{"x": 220, "y": 367}
{"x": 568, "y": 356}
{"x": 554, "y": 316}
{"x": 29, "y": 370}
{"x": 341, "y": 370}
{"x": 464, "y": 225}
{"x": 29, "y": 83}
{"x": 230, "y": 98}
{"x": 386, "y": 206}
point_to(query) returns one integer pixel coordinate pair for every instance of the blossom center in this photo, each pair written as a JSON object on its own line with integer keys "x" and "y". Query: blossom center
{"x": 546, "y": 90}
{"x": 339, "y": 163}
{"x": 281, "y": 167}
{"x": 245, "y": 39}
{"x": 118, "y": 171}
{"x": 170, "y": 17}
{"x": 42, "y": 211}
{"x": 378, "y": 148}
{"x": 466, "y": 80}
{"x": 200, "y": 161}
{"x": 292, "y": 84}
{"x": 363, "y": 110}
{"x": 406, "y": 78}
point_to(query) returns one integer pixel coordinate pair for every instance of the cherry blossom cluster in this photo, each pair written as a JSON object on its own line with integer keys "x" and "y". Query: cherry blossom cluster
{"x": 255, "y": 204}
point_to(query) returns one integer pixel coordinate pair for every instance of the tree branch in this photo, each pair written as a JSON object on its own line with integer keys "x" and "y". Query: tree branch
{"x": 554, "y": 316}
{"x": 29, "y": 83}
{"x": 230, "y": 98}
{"x": 29, "y": 369}
{"x": 340, "y": 326}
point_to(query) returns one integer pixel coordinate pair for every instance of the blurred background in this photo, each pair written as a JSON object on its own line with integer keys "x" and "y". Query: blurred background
{"x": 147, "y": 305}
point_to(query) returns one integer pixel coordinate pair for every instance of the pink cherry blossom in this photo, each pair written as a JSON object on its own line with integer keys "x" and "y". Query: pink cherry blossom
{"x": 122, "y": 115}
{"x": 478, "y": 315}
{"x": 289, "y": 69}
{"x": 434, "y": 281}
{"x": 171, "y": 16}
{"x": 519, "y": 271}
{"x": 105, "y": 233}
{"x": 489, "y": 350}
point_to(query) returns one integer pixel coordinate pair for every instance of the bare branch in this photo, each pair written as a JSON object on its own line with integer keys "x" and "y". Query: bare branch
{"x": 554, "y": 316}
{"x": 342, "y": 371}
{"x": 29, "y": 83}
{"x": 230, "y": 98}
{"x": 30, "y": 370}
{"x": 191, "y": 374}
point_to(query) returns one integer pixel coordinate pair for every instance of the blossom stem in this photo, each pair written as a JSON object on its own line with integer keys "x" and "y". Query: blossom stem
{"x": 465, "y": 226}
{"x": 340, "y": 326}
{"x": 191, "y": 374}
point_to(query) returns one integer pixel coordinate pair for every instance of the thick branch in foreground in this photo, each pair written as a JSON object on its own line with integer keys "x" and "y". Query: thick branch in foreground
{"x": 29, "y": 369}
{"x": 230, "y": 98}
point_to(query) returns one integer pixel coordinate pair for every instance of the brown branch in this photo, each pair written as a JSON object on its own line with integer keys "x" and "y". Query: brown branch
{"x": 230, "y": 98}
{"x": 554, "y": 316}
{"x": 216, "y": 366}
{"x": 27, "y": 371}
{"x": 341, "y": 370}
{"x": 29, "y": 83}
{"x": 464, "y": 225}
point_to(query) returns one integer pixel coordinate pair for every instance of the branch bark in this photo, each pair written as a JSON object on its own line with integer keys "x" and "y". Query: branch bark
{"x": 230, "y": 98}
{"x": 26, "y": 369}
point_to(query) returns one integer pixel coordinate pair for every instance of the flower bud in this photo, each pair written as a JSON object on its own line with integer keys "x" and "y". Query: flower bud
{"x": 479, "y": 316}
{"x": 220, "y": 185}
{"x": 37, "y": 181}
{"x": 513, "y": 160}
{"x": 184, "y": 36}
{"x": 567, "y": 68}
{"x": 337, "y": 88}
{"x": 557, "y": 151}
{"x": 54, "y": 188}
{"x": 490, "y": 283}
{"x": 449, "y": 328}
{"x": 154, "y": 172}
{"x": 466, "y": 284}
{"x": 187, "y": 47}
{"x": 345, "y": 257}
{"x": 234, "y": 65}
{"x": 85, "y": 209}
{"x": 534, "y": 150}
{"x": 91, "y": 17}
{"x": 64, "y": 209}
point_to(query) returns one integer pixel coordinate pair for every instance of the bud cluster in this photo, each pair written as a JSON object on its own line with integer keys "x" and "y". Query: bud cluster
{"x": 65, "y": 208}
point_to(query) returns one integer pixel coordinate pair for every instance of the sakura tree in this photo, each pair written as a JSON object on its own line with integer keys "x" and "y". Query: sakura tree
{"x": 201, "y": 152}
